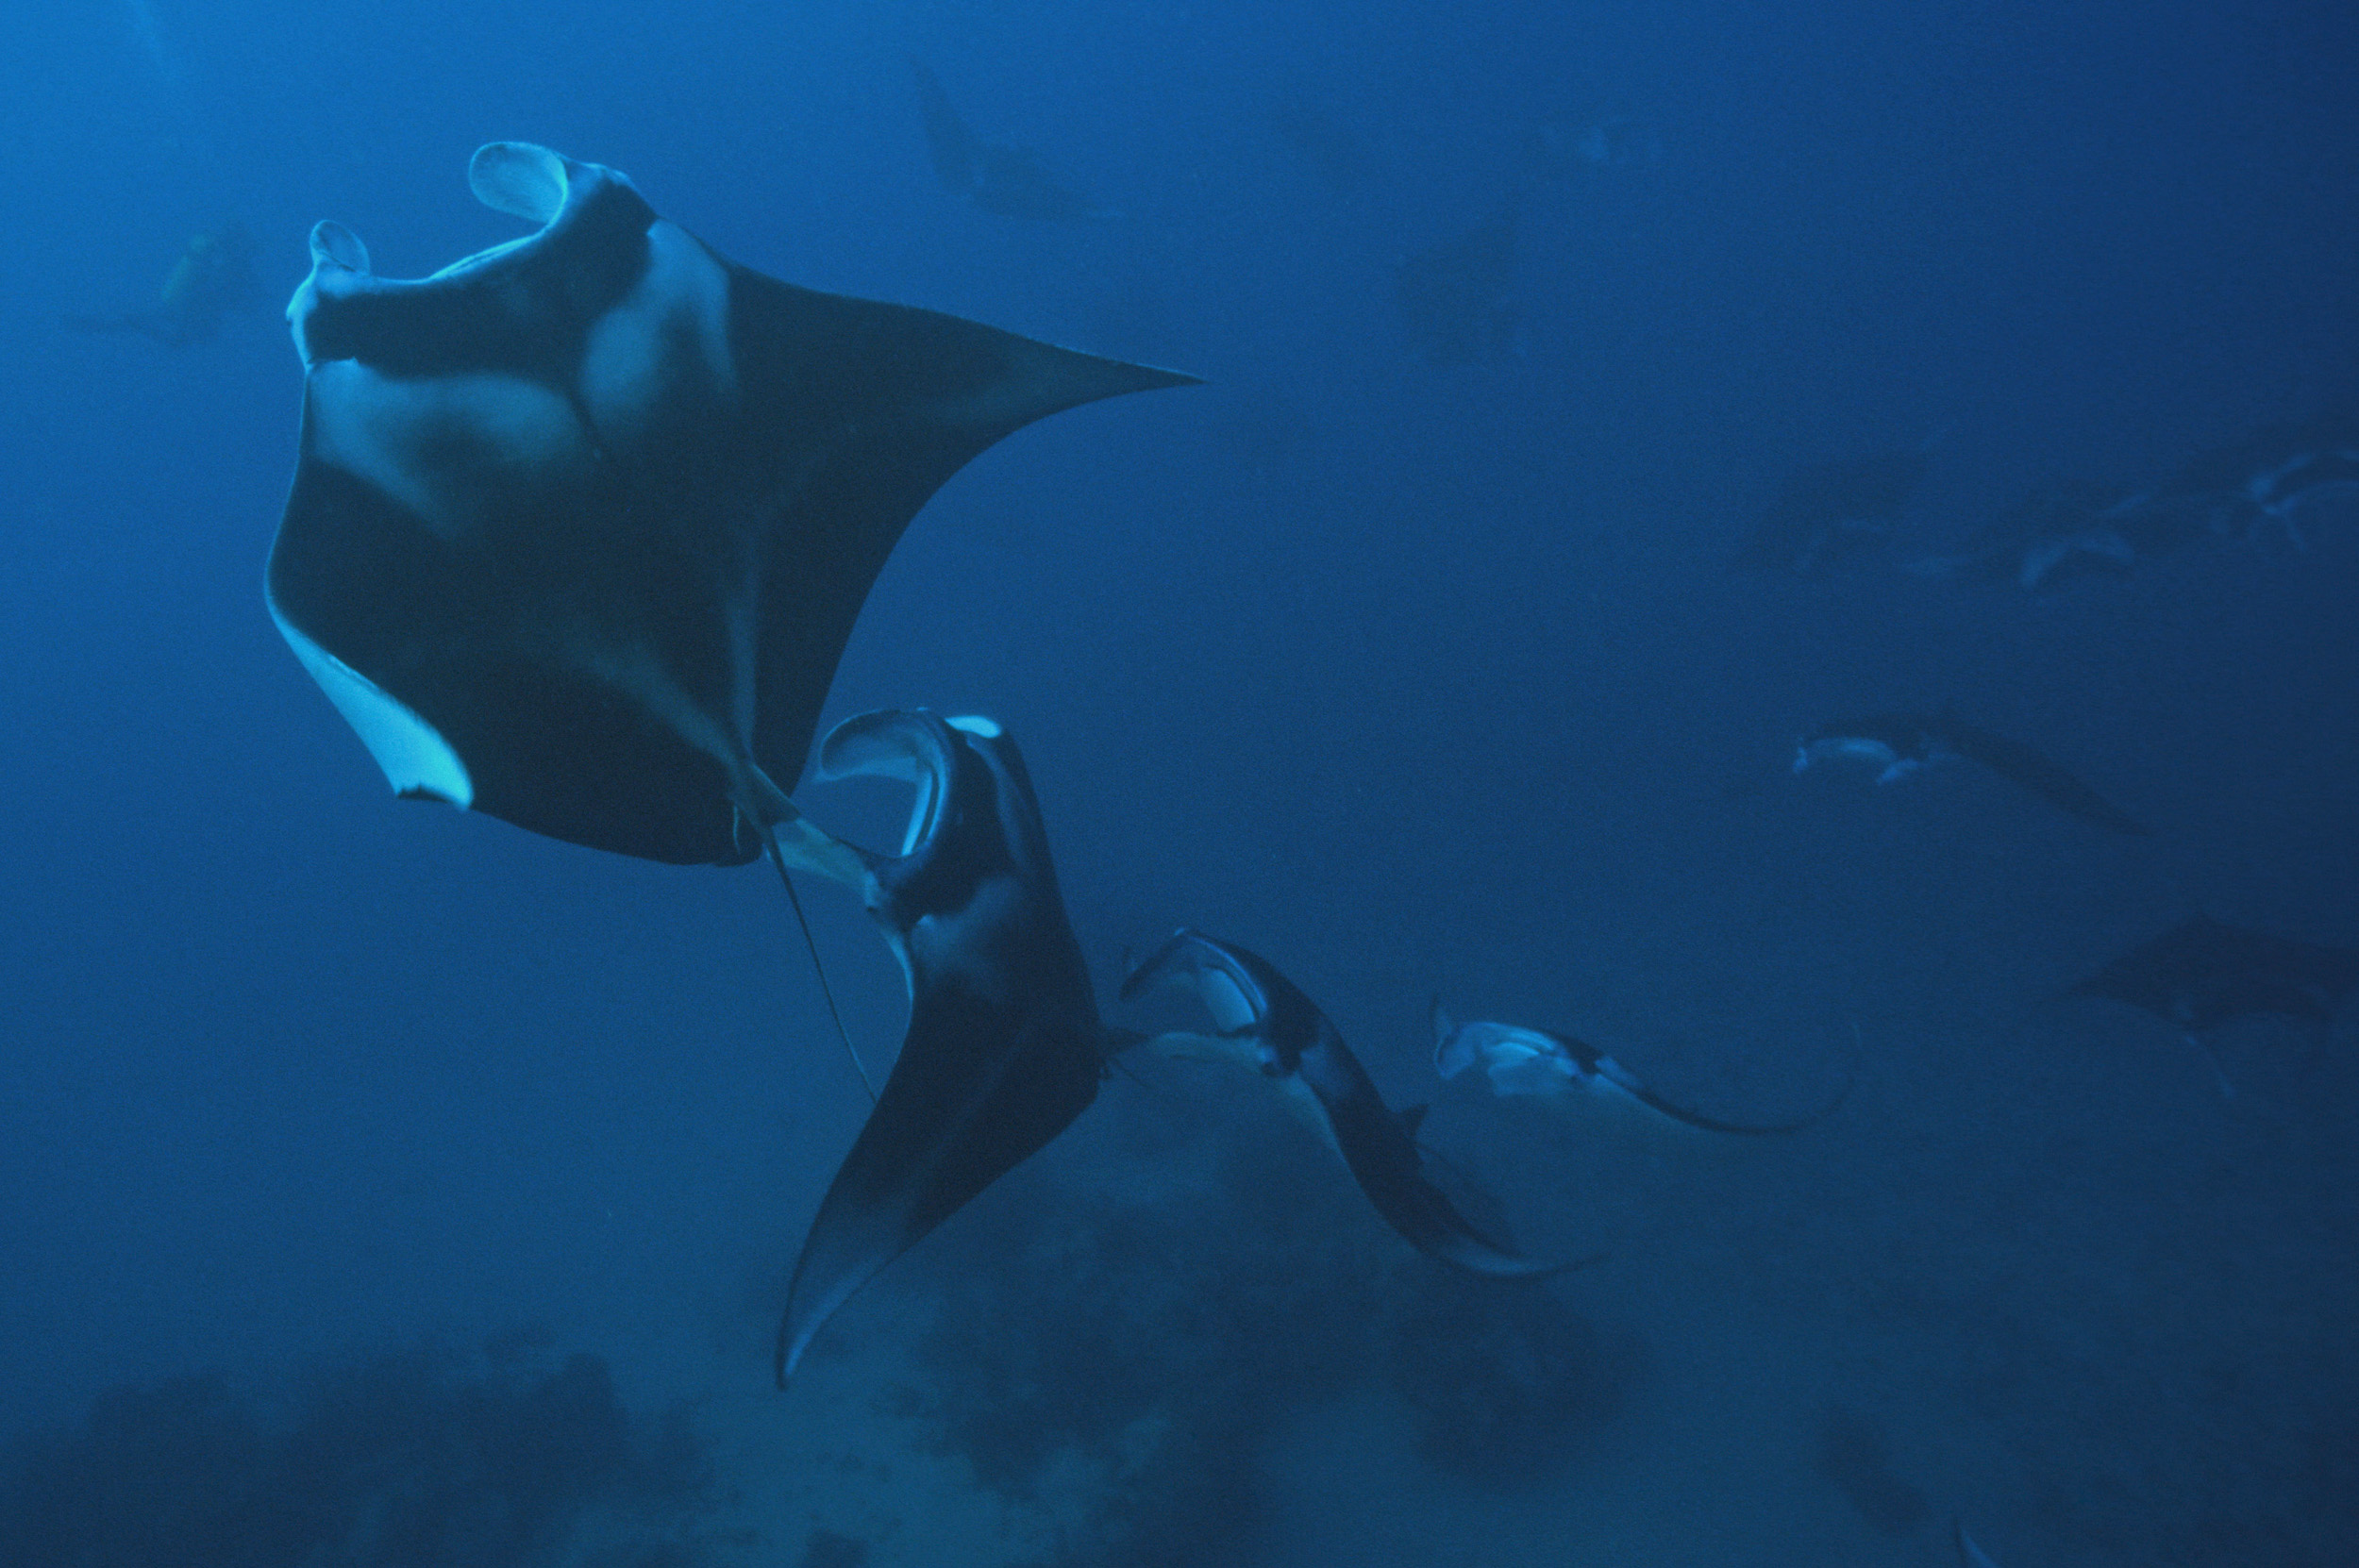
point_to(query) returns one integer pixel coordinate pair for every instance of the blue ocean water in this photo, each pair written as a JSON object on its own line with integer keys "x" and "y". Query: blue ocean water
{"x": 1417, "y": 669}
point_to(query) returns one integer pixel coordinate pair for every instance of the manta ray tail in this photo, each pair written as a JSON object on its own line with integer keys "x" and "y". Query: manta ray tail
{"x": 785, "y": 834}
{"x": 835, "y": 1014}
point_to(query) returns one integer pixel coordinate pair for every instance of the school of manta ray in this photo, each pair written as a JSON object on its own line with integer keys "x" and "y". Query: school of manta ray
{"x": 580, "y": 527}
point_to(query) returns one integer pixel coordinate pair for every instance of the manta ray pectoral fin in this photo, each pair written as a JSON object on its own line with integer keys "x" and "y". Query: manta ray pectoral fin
{"x": 1450, "y": 1055}
{"x": 951, "y": 145}
{"x": 1969, "y": 1555}
{"x": 416, "y": 760}
{"x": 2032, "y": 770}
{"x": 1675, "y": 1112}
{"x": 2211, "y": 1058}
{"x": 1610, "y": 1072}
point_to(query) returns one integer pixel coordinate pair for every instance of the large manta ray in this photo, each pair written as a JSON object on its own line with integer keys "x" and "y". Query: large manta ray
{"x": 581, "y": 524}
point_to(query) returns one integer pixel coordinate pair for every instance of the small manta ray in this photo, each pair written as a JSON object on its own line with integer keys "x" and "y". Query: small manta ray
{"x": 1540, "y": 1063}
{"x": 1268, "y": 1025}
{"x": 2067, "y": 528}
{"x": 1009, "y": 182}
{"x": 1458, "y": 298}
{"x": 213, "y": 279}
{"x": 1004, "y": 1047}
{"x": 2203, "y": 973}
{"x": 1901, "y": 744}
{"x": 1832, "y": 513}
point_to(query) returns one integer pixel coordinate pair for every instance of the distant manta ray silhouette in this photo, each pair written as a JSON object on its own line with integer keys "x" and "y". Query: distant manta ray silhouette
{"x": 2205, "y": 973}
{"x": 213, "y": 280}
{"x": 1008, "y": 181}
{"x": 1898, "y": 744}
{"x": 1519, "y": 1061}
{"x": 1832, "y": 511}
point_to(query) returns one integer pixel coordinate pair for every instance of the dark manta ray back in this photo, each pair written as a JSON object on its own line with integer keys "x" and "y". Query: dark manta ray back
{"x": 2203, "y": 973}
{"x": 581, "y": 524}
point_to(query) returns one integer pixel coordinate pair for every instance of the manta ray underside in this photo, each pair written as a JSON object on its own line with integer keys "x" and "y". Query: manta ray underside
{"x": 1266, "y": 1024}
{"x": 581, "y": 524}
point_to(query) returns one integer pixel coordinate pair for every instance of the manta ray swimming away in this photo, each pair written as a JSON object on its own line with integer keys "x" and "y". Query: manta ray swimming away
{"x": 1457, "y": 298}
{"x": 1831, "y": 514}
{"x": 579, "y": 530}
{"x": 2205, "y": 973}
{"x": 1902, "y": 743}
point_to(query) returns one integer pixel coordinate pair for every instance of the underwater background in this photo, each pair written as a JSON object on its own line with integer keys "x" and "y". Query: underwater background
{"x": 380, "y": 1183}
